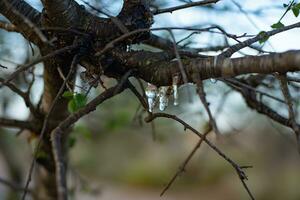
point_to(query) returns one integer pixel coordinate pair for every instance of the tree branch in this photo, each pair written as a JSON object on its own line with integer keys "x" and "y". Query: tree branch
{"x": 231, "y": 50}
{"x": 161, "y": 72}
{"x": 17, "y": 12}
{"x": 188, "y": 5}
{"x": 13, "y": 123}
{"x": 238, "y": 169}
{"x": 8, "y": 26}
{"x": 58, "y": 132}
{"x": 24, "y": 95}
{"x": 62, "y": 13}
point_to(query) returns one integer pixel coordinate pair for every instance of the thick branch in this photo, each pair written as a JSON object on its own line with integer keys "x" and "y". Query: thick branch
{"x": 62, "y": 13}
{"x": 16, "y": 12}
{"x": 161, "y": 72}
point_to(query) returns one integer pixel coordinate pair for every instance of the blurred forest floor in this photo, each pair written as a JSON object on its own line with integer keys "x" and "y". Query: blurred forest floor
{"x": 116, "y": 158}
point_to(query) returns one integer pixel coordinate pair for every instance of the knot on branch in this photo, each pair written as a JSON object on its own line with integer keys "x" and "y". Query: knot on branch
{"x": 136, "y": 14}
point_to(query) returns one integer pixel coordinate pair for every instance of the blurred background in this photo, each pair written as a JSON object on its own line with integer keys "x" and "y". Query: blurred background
{"x": 115, "y": 155}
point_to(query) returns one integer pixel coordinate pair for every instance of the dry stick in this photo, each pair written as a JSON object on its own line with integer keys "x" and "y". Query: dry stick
{"x": 46, "y": 120}
{"x": 38, "y": 60}
{"x": 238, "y": 169}
{"x": 188, "y": 5}
{"x": 58, "y": 132}
{"x": 202, "y": 96}
{"x": 289, "y": 102}
{"x": 182, "y": 167}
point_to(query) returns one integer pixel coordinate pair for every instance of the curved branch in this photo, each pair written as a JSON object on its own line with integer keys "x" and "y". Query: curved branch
{"x": 17, "y": 12}
{"x": 8, "y": 26}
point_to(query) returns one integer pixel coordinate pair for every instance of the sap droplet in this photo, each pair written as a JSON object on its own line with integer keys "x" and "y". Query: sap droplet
{"x": 151, "y": 92}
{"x": 175, "y": 89}
{"x": 163, "y": 98}
{"x": 212, "y": 80}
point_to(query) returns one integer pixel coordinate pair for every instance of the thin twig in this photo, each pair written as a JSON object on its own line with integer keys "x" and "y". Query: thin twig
{"x": 46, "y": 120}
{"x": 38, "y": 60}
{"x": 24, "y": 95}
{"x": 202, "y": 96}
{"x": 289, "y": 103}
{"x": 182, "y": 167}
{"x": 13, "y": 123}
{"x": 188, "y": 5}
{"x": 241, "y": 174}
{"x": 58, "y": 132}
{"x": 13, "y": 186}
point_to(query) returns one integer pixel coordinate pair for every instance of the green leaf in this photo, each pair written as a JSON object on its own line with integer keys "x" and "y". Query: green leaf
{"x": 68, "y": 95}
{"x": 72, "y": 106}
{"x": 71, "y": 142}
{"x": 277, "y": 25}
{"x": 264, "y": 37}
{"x": 297, "y": 6}
{"x": 80, "y": 100}
{"x": 41, "y": 155}
{"x": 295, "y": 11}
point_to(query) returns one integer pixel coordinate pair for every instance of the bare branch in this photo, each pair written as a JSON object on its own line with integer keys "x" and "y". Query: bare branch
{"x": 58, "y": 132}
{"x": 13, "y": 186}
{"x": 8, "y": 26}
{"x": 289, "y": 103}
{"x": 24, "y": 95}
{"x": 161, "y": 72}
{"x": 13, "y": 123}
{"x": 25, "y": 67}
{"x": 26, "y": 18}
{"x": 231, "y": 50}
{"x": 238, "y": 169}
{"x": 188, "y": 5}
{"x": 182, "y": 167}
{"x": 202, "y": 96}
{"x": 46, "y": 121}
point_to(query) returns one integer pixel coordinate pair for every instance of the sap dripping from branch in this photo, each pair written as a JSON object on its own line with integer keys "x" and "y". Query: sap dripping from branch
{"x": 175, "y": 90}
{"x": 151, "y": 93}
{"x": 163, "y": 98}
{"x": 162, "y": 94}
